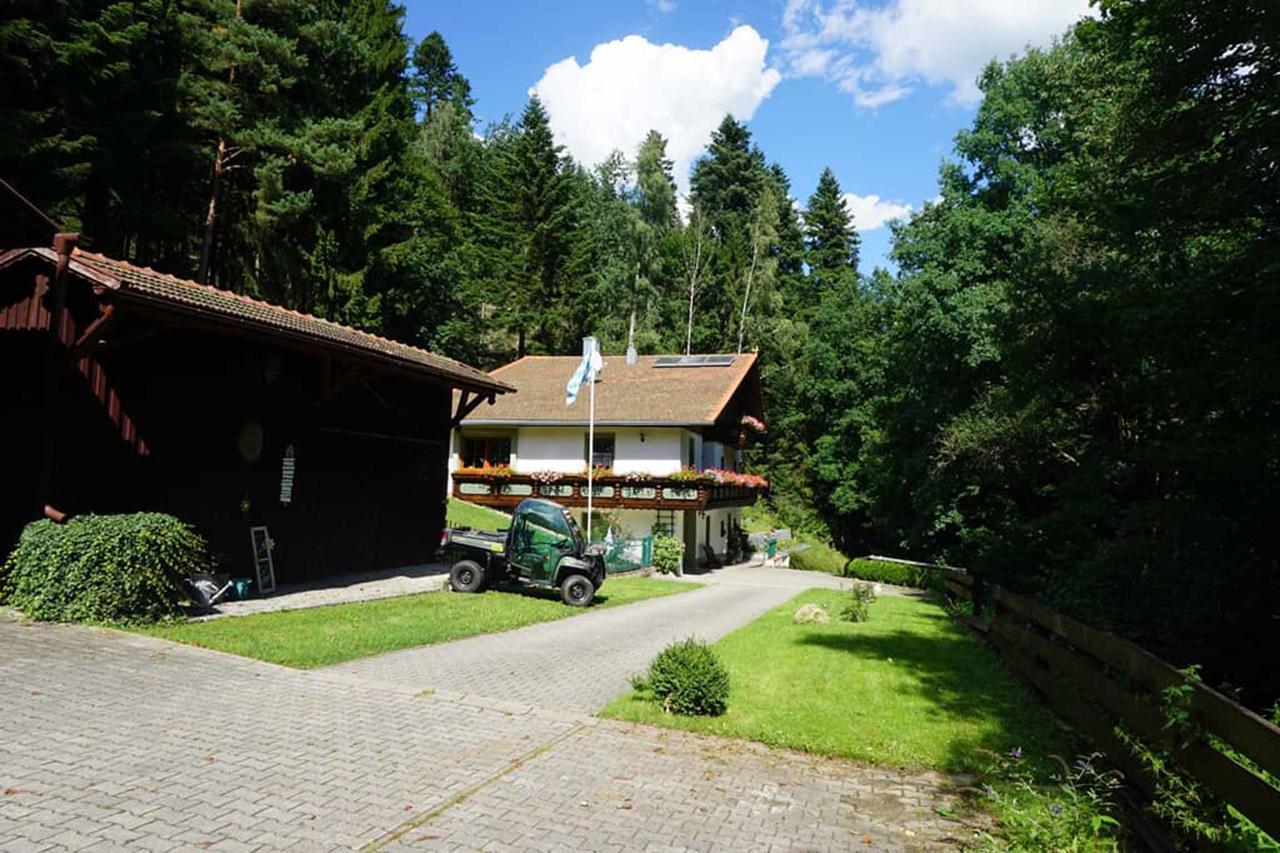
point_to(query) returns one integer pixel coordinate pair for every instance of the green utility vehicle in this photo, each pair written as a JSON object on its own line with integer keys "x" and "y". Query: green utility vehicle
{"x": 544, "y": 547}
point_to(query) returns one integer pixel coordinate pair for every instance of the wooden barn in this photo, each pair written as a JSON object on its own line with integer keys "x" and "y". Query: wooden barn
{"x": 127, "y": 389}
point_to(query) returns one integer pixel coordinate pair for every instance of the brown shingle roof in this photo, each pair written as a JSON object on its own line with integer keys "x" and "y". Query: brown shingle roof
{"x": 638, "y": 395}
{"x": 174, "y": 293}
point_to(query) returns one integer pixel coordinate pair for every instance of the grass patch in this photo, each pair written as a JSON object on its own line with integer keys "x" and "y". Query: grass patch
{"x": 321, "y": 636}
{"x": 820, "y": 557}
{"x": 909, "y": 688}
{"x": 463, "y": 514}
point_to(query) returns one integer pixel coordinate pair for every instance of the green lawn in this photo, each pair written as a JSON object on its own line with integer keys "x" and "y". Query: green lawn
{"x": 463, "y": 514}
{"x": 908, "y": 688}
{"x": 326, "y": 635}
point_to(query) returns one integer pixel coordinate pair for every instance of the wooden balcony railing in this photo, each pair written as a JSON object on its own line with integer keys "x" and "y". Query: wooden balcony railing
{"x": 610, "y": 491}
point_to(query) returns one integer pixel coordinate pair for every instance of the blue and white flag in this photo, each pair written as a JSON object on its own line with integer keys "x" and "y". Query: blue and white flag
{"x": 587, "y": 371}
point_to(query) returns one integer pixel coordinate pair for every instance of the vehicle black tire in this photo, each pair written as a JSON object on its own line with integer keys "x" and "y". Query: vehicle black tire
{"x": 466, "y": 576}
{"x": 577, "y": 590}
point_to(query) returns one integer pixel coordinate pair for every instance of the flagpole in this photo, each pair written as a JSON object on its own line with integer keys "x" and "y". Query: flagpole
{"x": 591, "y": 454}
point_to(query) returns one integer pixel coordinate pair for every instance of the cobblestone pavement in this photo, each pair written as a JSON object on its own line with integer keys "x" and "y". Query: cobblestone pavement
{"x": 587, "y": 661}
{"x": 113, "y": 741}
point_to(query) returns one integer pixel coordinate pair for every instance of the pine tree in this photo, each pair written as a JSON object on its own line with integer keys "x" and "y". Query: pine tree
{"x": 244, "y": 72}
{"x": 726, "y": 182}
{"x": 831, "y": 241}
{"x": 726, "y": 186}
{"x": 436, "y": 79}
{"x": 531, "y": 206}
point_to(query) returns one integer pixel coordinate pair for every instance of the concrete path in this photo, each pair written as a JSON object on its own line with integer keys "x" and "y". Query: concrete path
{"x": 586, "y": 661}
{"x": 110, "y": 741}
{"x": 340, "y": 589}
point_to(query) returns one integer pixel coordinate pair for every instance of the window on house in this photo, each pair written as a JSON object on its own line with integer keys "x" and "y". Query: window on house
{"x": 666, "y": 522}
{"x": 692, "y": 462}
{"x": 602, "y": 450}
{"x": 486, "y": 452}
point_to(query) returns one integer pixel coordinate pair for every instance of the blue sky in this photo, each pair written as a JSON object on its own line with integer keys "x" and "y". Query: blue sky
{"x": 875, "y": 89}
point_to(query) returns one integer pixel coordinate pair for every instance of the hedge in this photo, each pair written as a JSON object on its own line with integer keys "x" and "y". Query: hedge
{"x": 893, "y": 573}
{"x": 823, "y": 558}
{"x": 103, "y": 568}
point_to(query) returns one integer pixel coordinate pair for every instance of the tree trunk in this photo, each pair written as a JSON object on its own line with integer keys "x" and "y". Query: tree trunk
{"x": 211, "y": 216}
{"x": 746, "y": 297}
{"x": 693, "y": 285}
{"x": 219, "y": 165}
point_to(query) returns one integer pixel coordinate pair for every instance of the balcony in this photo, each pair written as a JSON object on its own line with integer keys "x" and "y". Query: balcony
{"x": 701, "y": 490}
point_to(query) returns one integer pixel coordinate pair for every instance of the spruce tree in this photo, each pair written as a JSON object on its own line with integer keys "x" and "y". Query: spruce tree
{"x": 531, "y": 208}
{"x": 831, "y": 241}
{"x": 726, "y": 187}
{"x": 726, "y": 182}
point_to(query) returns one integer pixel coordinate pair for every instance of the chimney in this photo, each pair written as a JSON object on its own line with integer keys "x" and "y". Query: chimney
{"x": 632, "y": 358}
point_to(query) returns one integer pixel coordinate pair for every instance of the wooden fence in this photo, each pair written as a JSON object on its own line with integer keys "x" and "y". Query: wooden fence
{"x": 1094, "y": 679}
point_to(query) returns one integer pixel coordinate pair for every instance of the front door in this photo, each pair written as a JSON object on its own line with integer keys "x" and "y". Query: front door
{"x": 540, "y": 537}
{"x": 690, "y": 540}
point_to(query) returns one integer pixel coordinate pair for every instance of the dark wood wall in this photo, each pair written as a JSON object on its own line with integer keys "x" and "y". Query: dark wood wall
{"x": 370, "y": 446}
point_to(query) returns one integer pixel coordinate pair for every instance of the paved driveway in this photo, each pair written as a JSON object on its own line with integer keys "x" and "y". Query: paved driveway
{"x": 587, "y": 661}
{"x": 113, "y": 741}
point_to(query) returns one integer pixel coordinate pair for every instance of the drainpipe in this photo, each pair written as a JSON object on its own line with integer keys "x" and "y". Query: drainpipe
{"x": 63, "y": 243}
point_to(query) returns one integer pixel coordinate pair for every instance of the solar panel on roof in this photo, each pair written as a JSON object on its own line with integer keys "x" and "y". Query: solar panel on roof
{"x": 694, "y": 361}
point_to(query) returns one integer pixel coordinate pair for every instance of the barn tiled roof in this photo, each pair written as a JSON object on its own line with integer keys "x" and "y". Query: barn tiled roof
{"x": 179, "y": 294}
{"x": 641, "y": 394}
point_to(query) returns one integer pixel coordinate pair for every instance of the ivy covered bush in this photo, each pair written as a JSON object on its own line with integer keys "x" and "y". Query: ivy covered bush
{"x": 668, "y": 552}
{"x": 688, "y": 678}
{"x": 103, "y": 568}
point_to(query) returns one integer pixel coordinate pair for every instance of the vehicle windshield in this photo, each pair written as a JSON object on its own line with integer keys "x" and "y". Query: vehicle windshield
{"x": 548, "y": 522}
{"x": 574, "y": 529}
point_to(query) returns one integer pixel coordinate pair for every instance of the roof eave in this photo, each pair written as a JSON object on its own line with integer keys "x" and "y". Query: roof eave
{"x": 480, "y": 382}
{"x": 526, "y": 422}
{"x": 454, "y": 380}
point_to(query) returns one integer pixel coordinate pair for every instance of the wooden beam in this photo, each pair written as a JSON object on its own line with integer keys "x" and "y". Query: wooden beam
{"x": 467, "y": 403}
{"x": 85, "y": 344}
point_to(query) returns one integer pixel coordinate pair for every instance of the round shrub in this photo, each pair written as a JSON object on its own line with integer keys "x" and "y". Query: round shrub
{"x": 103, "y": 568}
{"x": 689, "y": 679}
{"x": 668, "y": 552}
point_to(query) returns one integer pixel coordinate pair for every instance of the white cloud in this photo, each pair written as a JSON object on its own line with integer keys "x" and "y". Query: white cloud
{"x": 870, "y": 212}
{"x": 663, "y": 6}
{"x": 879, "y": 53}
{"x": 631, "y": 86}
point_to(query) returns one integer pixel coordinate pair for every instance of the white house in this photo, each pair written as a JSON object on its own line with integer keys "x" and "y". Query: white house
{"x": 668, "y": 445}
